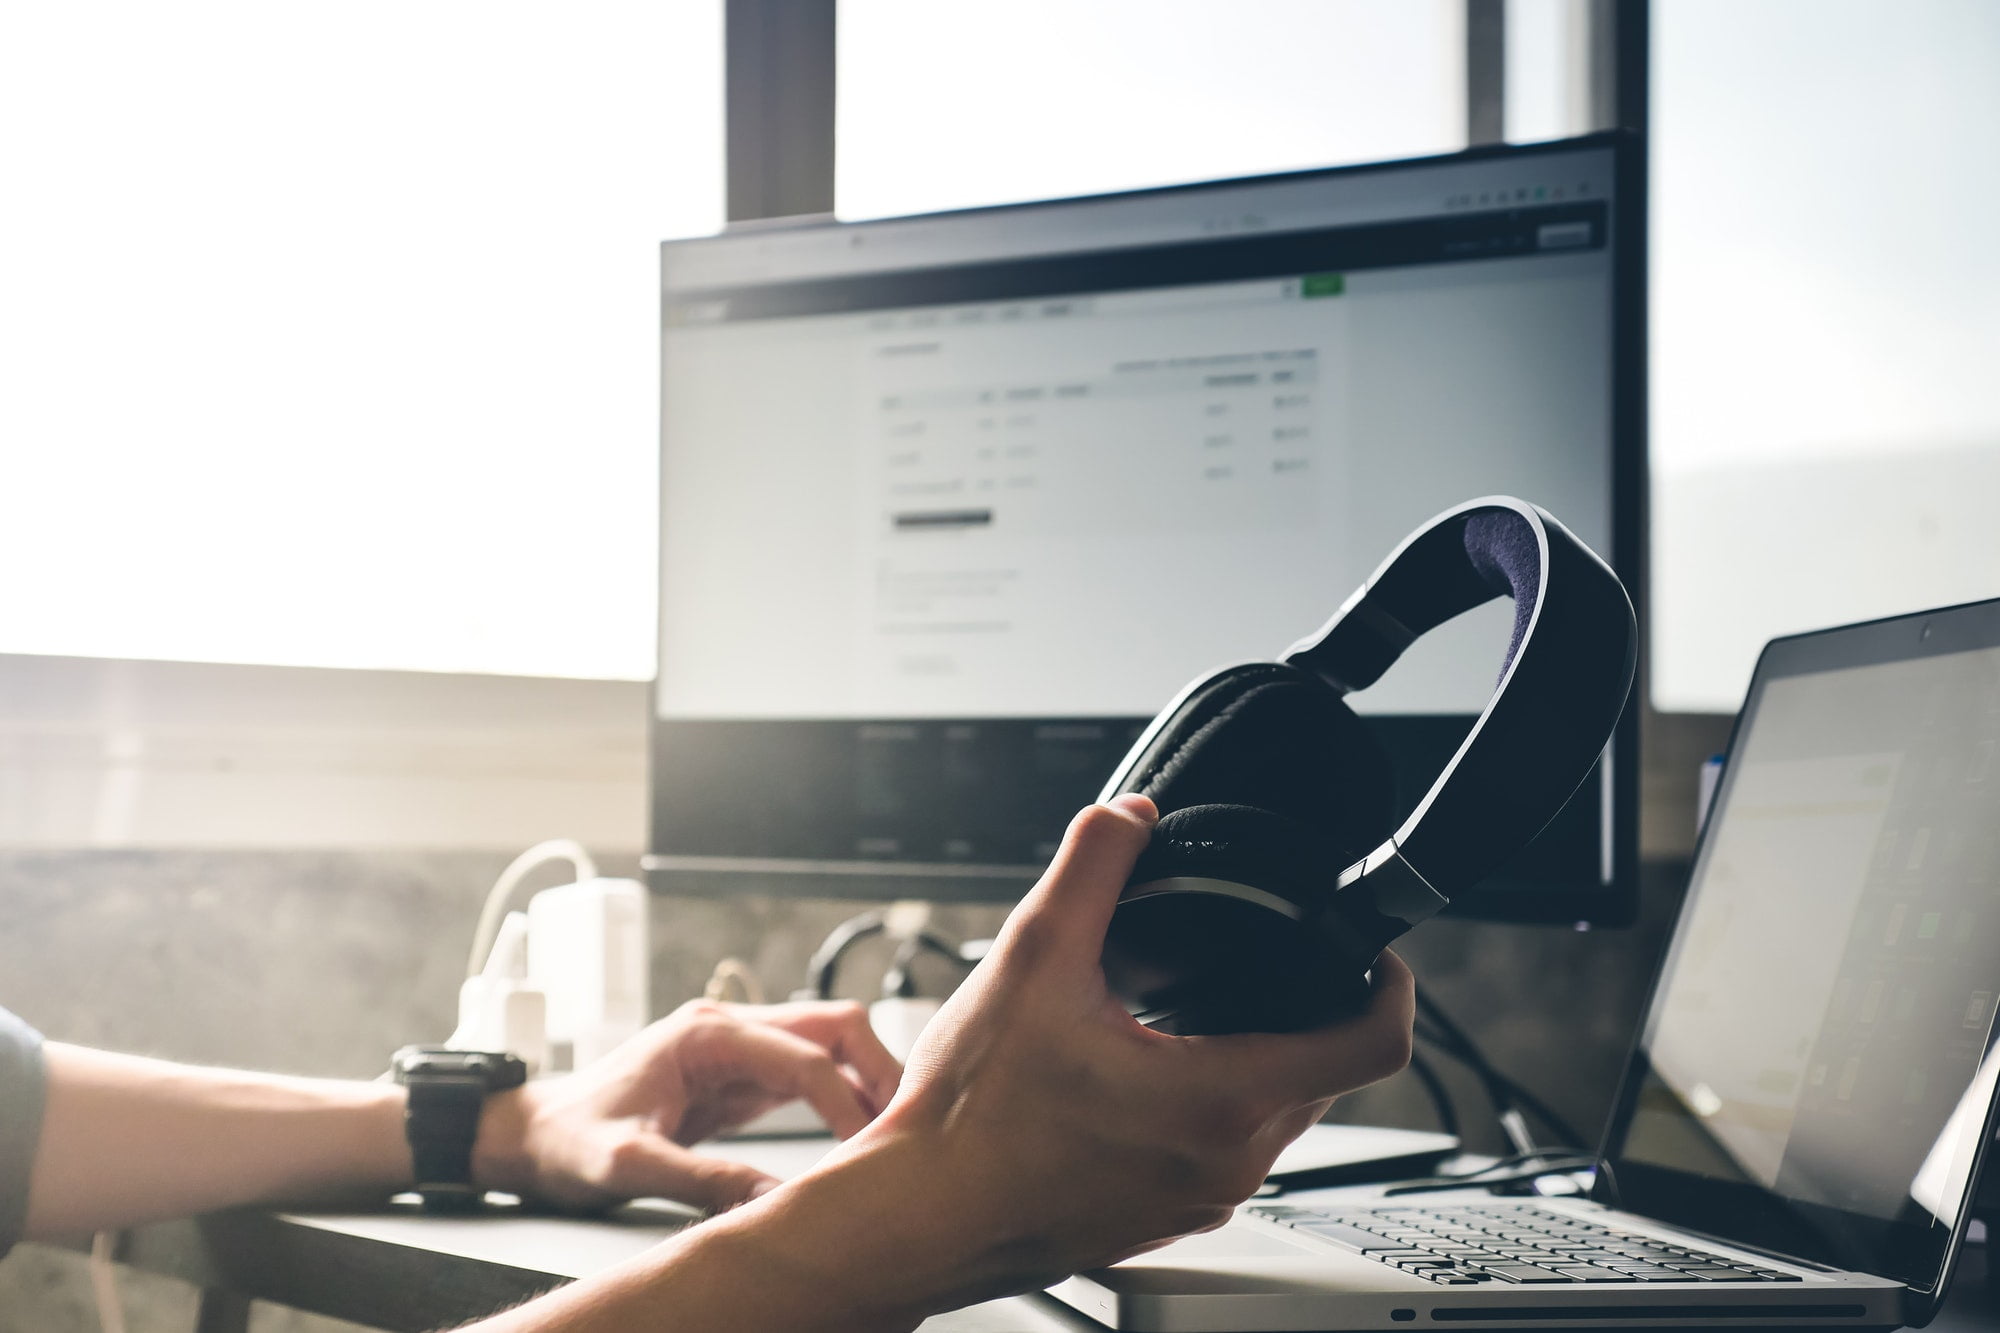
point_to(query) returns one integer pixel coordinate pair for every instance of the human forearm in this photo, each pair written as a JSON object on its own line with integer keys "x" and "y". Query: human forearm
{"x": 127, "y": 1140}
{"x": 847, "y": 1249}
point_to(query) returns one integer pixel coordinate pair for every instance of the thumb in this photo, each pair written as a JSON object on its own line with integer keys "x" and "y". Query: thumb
{"x": 1069, "y": 910}
{"x": 652, "y": 1166}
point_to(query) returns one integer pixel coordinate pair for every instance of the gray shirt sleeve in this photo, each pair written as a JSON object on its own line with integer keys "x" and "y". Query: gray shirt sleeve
{"x": 22, "y": 1079}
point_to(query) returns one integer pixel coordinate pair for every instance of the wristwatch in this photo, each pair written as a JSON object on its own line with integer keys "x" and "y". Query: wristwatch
{"x": 447, "y": 1092}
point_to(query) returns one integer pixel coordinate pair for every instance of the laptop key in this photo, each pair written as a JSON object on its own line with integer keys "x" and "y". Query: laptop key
{"x": 1354, "y": 1238}
{"x": 1526, "y": 1273}
{"x": 1717, "y": 1274}
{"x": 1590, "y": 1273}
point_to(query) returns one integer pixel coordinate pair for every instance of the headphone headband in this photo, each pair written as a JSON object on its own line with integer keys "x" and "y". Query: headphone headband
{"x": 1568, "y": 669}
{"x": 1232, "y": 919}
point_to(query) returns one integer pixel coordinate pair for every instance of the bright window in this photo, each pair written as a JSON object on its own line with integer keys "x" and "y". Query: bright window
{"x": 953, "y": 105}
{"x": 330, "y": 331}
{"x": 1826, "y": 317}
{"x": 1547, "y": 84}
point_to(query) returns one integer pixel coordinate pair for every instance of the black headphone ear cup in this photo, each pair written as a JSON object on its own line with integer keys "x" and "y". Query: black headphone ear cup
{"x": 1276, "y": 738}
{"x": 1214, "y": 934}
{"x": 1238, "y": 844}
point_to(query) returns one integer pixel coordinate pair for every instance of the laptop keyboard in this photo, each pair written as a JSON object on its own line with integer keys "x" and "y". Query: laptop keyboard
{"x": 1460, "y": 1247}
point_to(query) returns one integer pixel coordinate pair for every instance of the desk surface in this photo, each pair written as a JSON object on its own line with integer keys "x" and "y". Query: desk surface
{"x": 407, "y": 1273}
{"x": 400, "y": 1270}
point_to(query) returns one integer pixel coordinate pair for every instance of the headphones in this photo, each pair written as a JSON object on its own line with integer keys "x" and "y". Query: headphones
{"x": 1276, "y": 873}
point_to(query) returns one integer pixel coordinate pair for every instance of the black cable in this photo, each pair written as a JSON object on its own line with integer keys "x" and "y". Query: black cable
{"x": 1541, "y": 1110}
{"x": 1520, "y": 1168}
{"x": 1450, "y": 1032}
{"x": 1514, "y": 1162}
{"x": 1505, "y": 1093}
{"x": 1441, "y": 1103}
{"x": 823, "y": 967}
{"x": 1438, "y": 1029}
{"x": 825, "y": 961}
{"x": 1606, "y": 1191}
{"x": 898, "y": 982}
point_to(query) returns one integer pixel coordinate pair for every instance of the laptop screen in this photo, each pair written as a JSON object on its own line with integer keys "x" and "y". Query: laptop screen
{"x": 1814, "y": 1072}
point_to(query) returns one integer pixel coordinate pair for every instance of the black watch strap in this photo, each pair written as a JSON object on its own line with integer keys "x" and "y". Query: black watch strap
{"x": 446, "y": 1092}
{"x": 441, "y": 1123}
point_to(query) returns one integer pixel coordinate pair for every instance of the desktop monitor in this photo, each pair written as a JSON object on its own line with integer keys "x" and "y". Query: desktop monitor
{"x": 951, "y": 505}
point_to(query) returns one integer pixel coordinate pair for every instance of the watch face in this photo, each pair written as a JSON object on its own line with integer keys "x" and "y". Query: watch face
{"x": 496, "y": 1069}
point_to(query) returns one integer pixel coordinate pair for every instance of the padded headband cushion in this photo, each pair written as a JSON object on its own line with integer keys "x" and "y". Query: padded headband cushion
{"x": 1272, "y": 736}
{"x": 1504, "y": 552}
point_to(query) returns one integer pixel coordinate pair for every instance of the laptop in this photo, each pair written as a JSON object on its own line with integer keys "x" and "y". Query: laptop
{"x": 1810, "y": 1091}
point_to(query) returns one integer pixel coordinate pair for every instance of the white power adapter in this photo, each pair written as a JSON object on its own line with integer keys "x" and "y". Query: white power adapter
{"x": 498, "y": 1008}
{"x": 588, "y": 954}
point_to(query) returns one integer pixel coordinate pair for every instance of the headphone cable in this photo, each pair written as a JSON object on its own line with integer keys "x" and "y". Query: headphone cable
{"x": 1441, "y": 1103}
{"x": 1508, "y": 1097}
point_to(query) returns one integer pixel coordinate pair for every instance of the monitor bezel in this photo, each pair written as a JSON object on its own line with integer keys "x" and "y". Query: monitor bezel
{"x": 1612, "y": 901}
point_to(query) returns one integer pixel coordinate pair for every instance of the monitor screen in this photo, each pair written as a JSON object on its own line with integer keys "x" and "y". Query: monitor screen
{"x": 951, "y": 505}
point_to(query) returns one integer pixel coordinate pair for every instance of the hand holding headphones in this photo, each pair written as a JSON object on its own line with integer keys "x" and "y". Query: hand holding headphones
{"x": 1276, "y": 873}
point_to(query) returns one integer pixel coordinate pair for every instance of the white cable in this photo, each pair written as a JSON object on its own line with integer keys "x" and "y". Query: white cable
{"x": 104, "y": 1283}
{"x": 497, "y": 898}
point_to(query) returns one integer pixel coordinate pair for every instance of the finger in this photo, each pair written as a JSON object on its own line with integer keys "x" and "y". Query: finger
{"x": 791, "y": 1066}
{"x": 1069, "y": 910}
{"x": 842, "y": 1027}
{"x": 1331, "y": 1061}
{"x": 856, "y": 1046}
{"x": 735, "y": 1105}
{"x": 1372, "y": 1047}
{"x": 649, "y": 1166}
